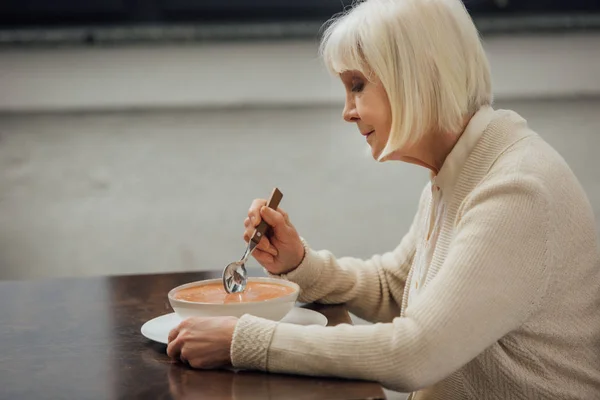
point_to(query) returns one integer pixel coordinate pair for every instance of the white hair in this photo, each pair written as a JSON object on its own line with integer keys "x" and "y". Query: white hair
{"x": 427, "y": 55}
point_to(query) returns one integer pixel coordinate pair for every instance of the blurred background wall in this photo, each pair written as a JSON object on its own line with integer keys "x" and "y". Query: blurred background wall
{"x": 134, "y": 135}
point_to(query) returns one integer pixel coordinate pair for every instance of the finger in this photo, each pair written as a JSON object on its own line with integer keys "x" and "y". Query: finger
{"x": 254, "y": 211}
{"x": 274, "y": 218}
{"x": 247, "y": 223}
{"x": 286, "y": 217}
{"x": 185, "y": 323}
{"x": 183, "y": 355}
{"x": 173, "y": 334}
{"x": 266, "y": 245}
{"x": 263, "y": 257}
{"x": 248, "y": 233}
{"x": 174, "y": 348}
{"x": 263, "y": 244}
{"x": 272, "y": 250}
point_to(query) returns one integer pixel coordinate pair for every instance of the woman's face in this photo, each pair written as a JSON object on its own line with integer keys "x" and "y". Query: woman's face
{"x": 368, "y": 106}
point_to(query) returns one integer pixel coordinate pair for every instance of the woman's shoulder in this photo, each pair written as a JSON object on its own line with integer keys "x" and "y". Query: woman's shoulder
{"x": 510, "y": 149}
{"x": 511, "y": 160}
{"x": 527, "y": 164}
{"x": 529, "y": 159}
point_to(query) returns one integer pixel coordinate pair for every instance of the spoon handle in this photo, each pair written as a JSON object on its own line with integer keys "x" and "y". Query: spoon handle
{"x": 273, "y": 203}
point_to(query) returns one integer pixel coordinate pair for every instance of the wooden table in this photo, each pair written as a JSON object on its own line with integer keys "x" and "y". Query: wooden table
{"x": 80, "y": 339}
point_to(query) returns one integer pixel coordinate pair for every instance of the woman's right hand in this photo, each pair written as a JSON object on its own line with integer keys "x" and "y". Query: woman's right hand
{"x": 283, "y": 250}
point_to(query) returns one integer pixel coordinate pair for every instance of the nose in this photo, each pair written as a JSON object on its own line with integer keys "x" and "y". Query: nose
{"x": 350, "y": 114}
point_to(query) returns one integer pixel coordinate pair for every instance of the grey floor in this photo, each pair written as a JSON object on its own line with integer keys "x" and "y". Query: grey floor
{"x": 137, "y": 192}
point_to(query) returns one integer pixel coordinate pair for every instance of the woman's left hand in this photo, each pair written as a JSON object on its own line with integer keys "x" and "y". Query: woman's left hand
{"x": 203, "y": 342}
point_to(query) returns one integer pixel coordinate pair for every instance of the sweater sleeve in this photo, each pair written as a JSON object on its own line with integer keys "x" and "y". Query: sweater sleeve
{"x": 493, "y": 278}
{"x": 372, "y": 289}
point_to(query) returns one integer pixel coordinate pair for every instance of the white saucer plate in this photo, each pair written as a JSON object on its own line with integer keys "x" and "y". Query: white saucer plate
{"x": 157, "y": 329}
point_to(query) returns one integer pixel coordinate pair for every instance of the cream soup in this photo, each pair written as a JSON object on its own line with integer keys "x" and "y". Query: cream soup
{"x": 215, "y": 293}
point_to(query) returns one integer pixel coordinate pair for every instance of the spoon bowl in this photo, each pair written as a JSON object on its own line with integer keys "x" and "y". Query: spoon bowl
{"x": 235, "y": 277}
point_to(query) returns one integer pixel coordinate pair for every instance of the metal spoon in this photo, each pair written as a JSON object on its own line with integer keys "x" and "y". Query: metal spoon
{"x": 234, "y": 274}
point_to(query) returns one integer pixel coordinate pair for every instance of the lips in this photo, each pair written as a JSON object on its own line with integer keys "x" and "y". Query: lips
{"x": 366, "y": 134}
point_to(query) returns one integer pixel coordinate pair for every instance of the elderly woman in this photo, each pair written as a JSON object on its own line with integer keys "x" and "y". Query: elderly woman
{"x": 494, "y": 291}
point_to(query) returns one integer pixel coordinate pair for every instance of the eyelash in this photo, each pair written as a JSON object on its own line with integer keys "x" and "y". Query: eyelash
{"x": 358, "y": 87}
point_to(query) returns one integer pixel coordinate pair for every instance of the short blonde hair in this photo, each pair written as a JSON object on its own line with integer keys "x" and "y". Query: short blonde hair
{"x": 427, "y": 55}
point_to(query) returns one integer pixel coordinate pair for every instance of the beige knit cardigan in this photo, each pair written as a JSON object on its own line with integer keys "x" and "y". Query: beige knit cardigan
{"x": 510, "y": 307}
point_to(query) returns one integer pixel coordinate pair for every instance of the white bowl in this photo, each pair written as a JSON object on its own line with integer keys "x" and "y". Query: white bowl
{"x": 273, "y": 309}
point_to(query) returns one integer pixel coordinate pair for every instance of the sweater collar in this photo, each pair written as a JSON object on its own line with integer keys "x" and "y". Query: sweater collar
{"x": 448, "y": 175}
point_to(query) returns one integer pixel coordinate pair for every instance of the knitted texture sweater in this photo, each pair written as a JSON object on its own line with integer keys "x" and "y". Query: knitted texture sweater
{"x": 509, "y": 306}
